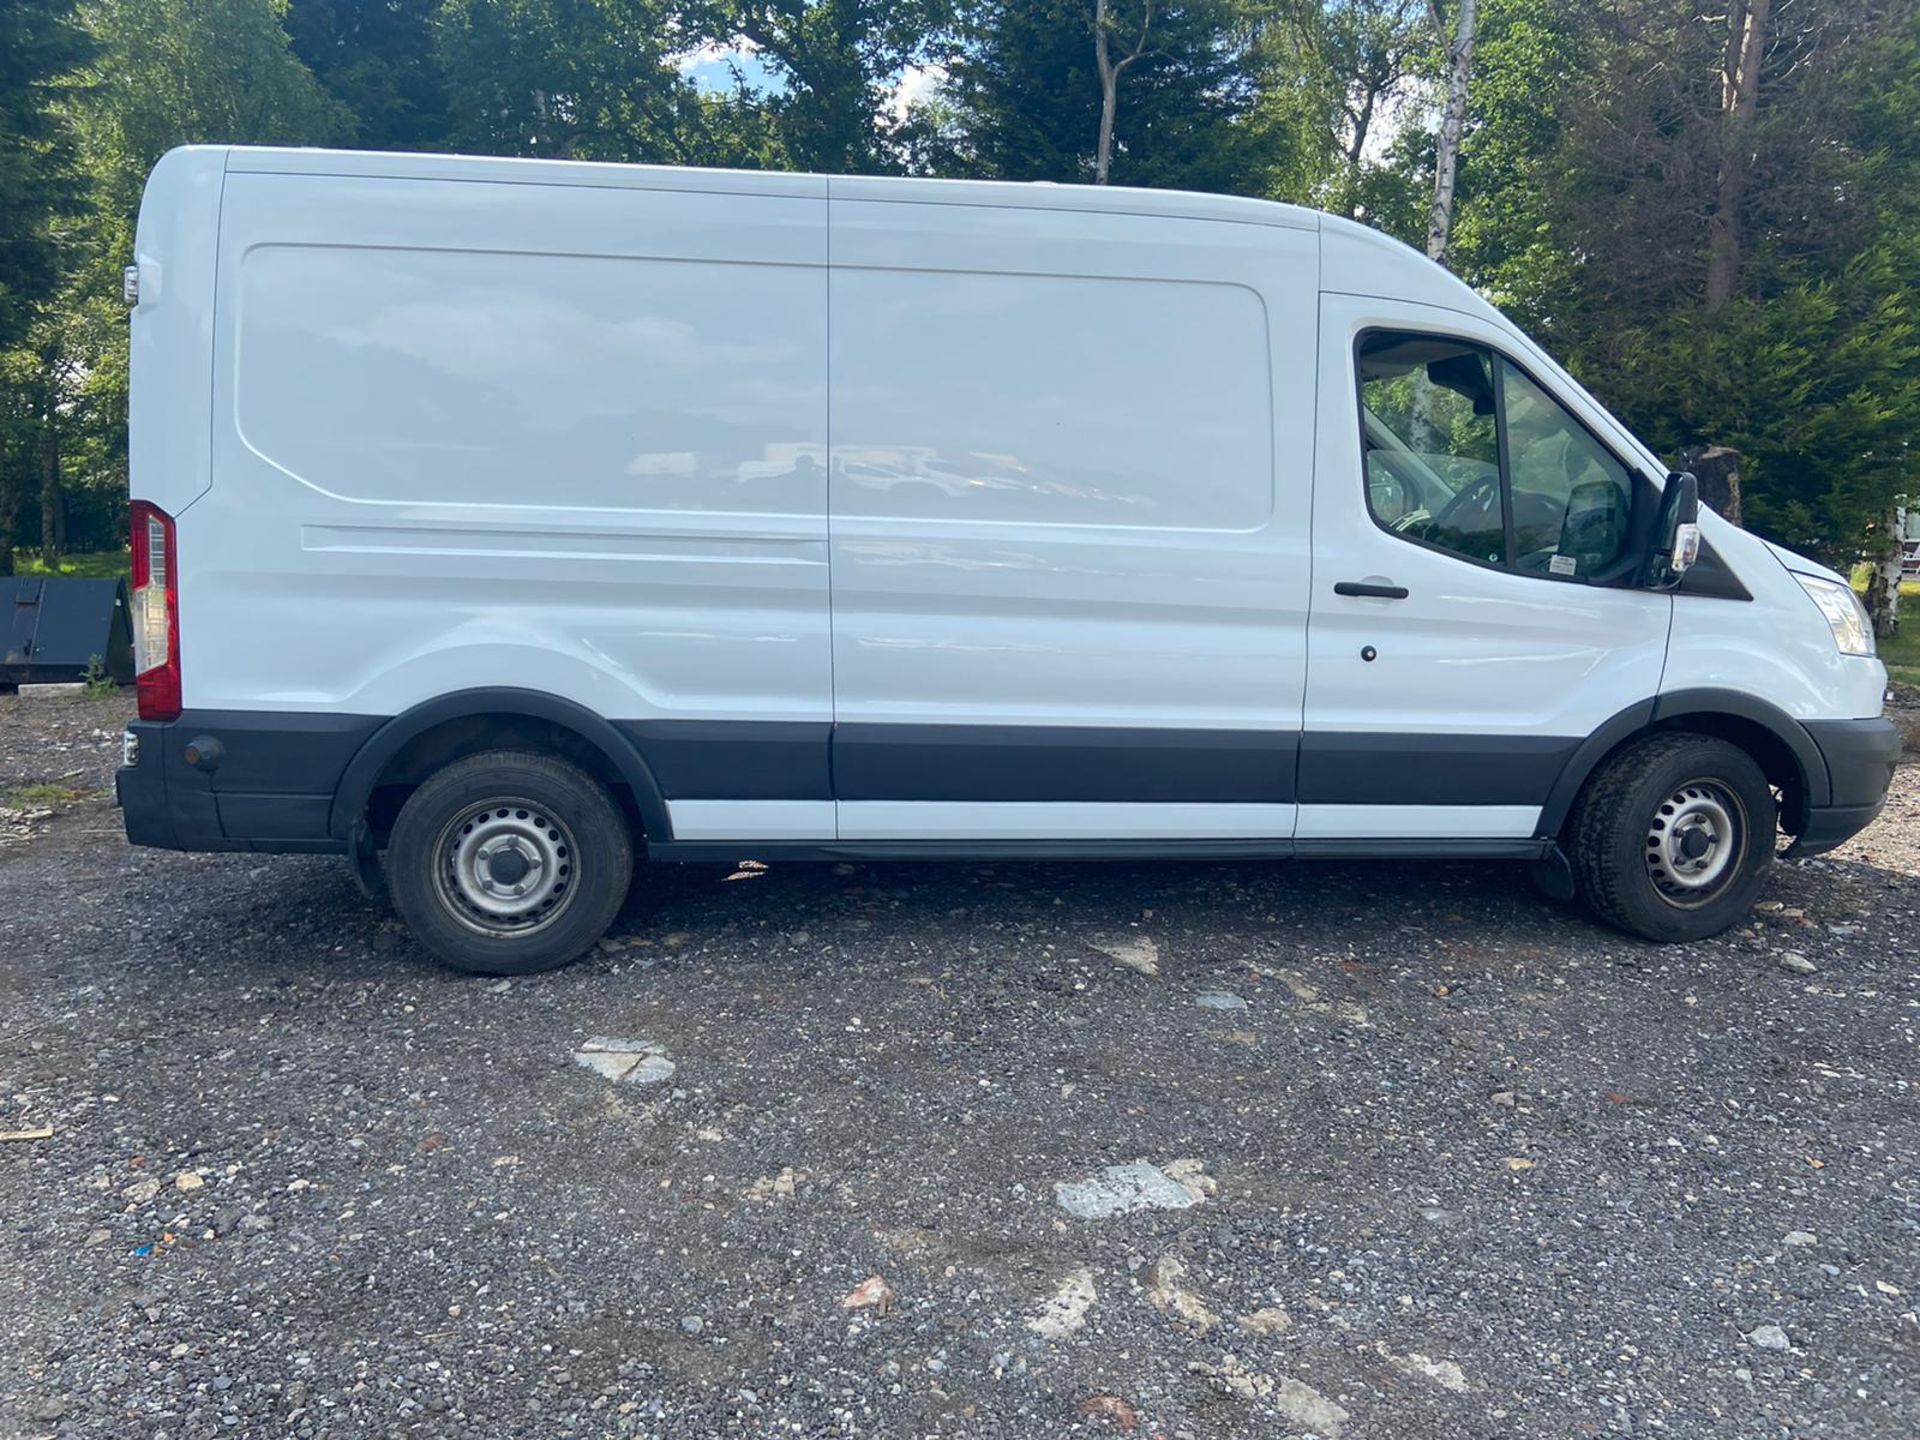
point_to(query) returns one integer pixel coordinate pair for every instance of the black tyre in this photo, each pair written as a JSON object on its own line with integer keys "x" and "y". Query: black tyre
{"x": 1672, "y": 837}
{"x": 508, "y": 863}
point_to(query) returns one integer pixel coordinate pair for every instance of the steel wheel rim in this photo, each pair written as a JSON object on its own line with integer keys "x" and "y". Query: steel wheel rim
{"x": 1695, "y": 841}
{"x": 506, "y": 867}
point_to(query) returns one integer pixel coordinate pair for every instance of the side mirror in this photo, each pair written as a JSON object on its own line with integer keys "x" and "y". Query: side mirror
{"x": 1676, "y": 533}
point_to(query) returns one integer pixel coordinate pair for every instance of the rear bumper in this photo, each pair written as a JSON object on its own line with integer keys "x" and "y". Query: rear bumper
{"x": 262, "y": 781}
{"x": 1860, "y": 756}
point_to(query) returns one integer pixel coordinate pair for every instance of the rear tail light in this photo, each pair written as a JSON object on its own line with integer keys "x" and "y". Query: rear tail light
{"x": 156, "y": 612}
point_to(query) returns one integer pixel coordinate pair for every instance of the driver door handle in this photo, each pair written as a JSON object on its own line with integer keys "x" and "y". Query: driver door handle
{"x": 1377, "y": 592}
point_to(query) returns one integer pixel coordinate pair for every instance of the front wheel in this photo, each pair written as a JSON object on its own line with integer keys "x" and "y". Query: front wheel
{"x": 1672, "y": 837}
{"x": 509, "y": 862}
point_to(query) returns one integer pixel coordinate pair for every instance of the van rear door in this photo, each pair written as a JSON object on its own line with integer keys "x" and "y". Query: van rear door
{"x": 173, "y": 281}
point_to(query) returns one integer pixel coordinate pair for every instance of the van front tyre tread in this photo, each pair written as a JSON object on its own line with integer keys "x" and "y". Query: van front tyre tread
{"x": 598, "y": 861}
{"x": 1608, "y": 835}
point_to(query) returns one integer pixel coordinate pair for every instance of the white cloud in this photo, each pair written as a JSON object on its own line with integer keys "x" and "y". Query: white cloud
{"x": 916, "y": 82}
{"x": 714, "y": 52}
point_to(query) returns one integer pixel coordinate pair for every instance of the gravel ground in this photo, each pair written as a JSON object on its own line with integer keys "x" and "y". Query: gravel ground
{"x": 1444, "y": 1161}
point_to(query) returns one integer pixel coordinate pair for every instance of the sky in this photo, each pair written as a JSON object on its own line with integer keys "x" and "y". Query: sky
{"x": 712, "y": 67}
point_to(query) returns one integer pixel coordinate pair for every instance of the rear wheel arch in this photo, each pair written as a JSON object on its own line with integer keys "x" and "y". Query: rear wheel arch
{"x": 413, "y": 745}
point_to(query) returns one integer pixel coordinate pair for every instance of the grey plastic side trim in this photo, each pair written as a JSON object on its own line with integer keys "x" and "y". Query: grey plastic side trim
{"x": 1582, "y": 763}
{"x": 356, "y": 785}
{"x": 1677, "y": 705}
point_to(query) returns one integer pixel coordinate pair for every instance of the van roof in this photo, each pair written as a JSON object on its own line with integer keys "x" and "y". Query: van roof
{"x": 1010, "y": 194}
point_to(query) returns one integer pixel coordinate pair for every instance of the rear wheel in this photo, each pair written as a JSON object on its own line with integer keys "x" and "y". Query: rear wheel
{"x": 1672, "y": 837}
{"x": 509, "y": 862}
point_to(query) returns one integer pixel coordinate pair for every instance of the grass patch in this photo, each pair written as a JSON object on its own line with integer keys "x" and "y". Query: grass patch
{"x": 98, "y": 565}
{"x": 1909, "y": 589}
{"x": 1901, "y": 655}
{"x": 44, "y": 797}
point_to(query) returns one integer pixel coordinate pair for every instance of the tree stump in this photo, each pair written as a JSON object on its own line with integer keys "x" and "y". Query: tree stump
{"x": 1718, "y": 470}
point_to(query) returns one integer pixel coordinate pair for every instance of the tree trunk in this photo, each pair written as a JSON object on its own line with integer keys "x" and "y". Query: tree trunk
{"x": 53, "y": 518}
{"x": 1109, "y": 94}
{"x": 11, "y": 488}
{"x": 1357, "y": 151}
{"x": 1739, "y": 97}
{"x": 1453, "y": 122}
{"x": 1718, "y": 470}
{"x": 1110, "y": 82}
{"x": 1883, "y": 586}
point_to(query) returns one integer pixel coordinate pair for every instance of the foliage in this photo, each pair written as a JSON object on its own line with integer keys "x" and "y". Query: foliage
{"x": 567, "y": 79}
{"x": 41, "y": 46}
{"x": 1592, "y": 170}
{"x": 41, "y": 189}
{"x": 156, "y": 73}
{"x": 377, "y": 59}
{"x": 183, "y": 72}
{"x": 99, "y": 684}
{"x": 1026, "y": 96}
{"x": 839, "y": 59}
{"x": 1586, "y": 215}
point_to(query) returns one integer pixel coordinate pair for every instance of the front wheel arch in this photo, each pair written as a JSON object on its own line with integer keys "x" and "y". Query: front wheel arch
{"x": 1776, "y": 742}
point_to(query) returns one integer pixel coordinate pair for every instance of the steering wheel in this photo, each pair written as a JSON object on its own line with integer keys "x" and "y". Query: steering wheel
{"x": 1480, "y": 498}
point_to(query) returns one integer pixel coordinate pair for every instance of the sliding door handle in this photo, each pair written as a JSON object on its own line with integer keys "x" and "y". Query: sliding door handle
{"x": 1377, "y": 592}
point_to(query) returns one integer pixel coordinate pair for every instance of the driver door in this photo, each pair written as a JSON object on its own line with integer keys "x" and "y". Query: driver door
{"x": 1457, "y": 651}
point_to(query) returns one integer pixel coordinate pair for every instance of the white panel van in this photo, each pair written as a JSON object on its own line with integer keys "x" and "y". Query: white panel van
{"x": 499, "y": 522}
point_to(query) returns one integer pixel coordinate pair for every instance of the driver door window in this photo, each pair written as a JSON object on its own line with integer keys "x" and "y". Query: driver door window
{"x": 1466, "y": 454}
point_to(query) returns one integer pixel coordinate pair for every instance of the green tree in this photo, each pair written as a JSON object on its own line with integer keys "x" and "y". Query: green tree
{"x": 41, "y": 189}
{"x": 1772, "y": 315}
{"x": 161, "y": 73}
{"x": 1340, "y": 82}
{"x": 1710, "y": 214}
{"x": 588, "y": 80}
{"x": 1529, "y": 57}
{"x": 838, "y": 62}
{"x": 377, "y": 59}
{"x": 1373, "y": 51}
{"x": 41, "y": 45}
{"x": 177, "y": 72}
{"x": 1026, "y": 96}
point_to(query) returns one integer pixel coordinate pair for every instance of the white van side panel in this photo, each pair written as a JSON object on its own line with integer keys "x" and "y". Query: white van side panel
{"x": 1778, "y": 646}
{"x": 1072, "y": 468}
{"x": 564, "y": 439}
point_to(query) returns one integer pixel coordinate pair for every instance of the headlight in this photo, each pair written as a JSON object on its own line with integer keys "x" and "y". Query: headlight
{"x": 1847, "y": 617}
